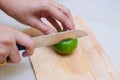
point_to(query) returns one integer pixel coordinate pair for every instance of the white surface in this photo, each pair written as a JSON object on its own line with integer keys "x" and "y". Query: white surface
{"x": 102, "y": 16}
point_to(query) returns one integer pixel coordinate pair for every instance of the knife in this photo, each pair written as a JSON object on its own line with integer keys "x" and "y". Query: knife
{"x": 54, "y": 38}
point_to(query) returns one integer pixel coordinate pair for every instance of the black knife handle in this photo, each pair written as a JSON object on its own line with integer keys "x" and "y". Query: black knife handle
{"x": 20, "y": 47}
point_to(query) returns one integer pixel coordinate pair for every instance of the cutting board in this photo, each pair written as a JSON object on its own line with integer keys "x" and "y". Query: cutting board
{"x": 88, "y": 62}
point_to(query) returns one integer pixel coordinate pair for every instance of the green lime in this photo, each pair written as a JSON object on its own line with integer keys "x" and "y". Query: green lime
{"x": 66, "y": 46}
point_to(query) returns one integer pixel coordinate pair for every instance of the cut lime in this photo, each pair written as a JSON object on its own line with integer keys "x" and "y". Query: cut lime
{"x": 66, "y": 46}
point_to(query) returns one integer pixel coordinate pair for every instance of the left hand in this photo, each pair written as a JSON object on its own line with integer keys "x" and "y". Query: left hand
{"x": 30, "y": 12}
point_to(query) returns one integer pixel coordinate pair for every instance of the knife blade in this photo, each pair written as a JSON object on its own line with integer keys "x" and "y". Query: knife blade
{"x": 54, "y": 38}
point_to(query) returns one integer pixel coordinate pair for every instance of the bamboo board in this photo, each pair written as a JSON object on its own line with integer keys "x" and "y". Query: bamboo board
{"x": 88, "y": 62}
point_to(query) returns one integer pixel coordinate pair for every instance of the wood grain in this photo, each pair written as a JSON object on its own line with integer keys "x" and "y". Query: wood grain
{"x": 88, "y": 62}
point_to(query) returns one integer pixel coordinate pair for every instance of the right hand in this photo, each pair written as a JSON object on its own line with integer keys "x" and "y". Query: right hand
{"x": 8, "y": 49}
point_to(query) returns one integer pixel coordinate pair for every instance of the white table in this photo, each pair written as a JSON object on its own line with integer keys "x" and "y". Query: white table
{"x": 102, "y": 16}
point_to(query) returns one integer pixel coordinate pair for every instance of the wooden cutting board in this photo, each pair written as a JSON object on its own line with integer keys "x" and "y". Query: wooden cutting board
{"x": 88, "y": 62}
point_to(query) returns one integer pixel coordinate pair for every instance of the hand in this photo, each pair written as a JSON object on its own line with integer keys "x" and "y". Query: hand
{"x": 30, "y": 12}
{"x": 8, "y": 49}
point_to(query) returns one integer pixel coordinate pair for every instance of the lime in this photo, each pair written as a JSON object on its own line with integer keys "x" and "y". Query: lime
{"x": 66, "y": 46}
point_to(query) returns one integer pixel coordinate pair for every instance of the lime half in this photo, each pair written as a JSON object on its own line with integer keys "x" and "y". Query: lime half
{"x": 66, "y": 46}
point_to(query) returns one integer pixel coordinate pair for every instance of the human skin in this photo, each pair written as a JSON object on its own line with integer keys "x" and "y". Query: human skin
{"x": 30, "y": 12}
{"x": 8, "y": 49}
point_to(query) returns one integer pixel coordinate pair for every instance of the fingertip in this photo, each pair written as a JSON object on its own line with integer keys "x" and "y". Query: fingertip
{"x": 72, "y": 27}
{"x": 25, "y": 54}
{"x": 49, "y": 31}
{"x": 28, "y": 52}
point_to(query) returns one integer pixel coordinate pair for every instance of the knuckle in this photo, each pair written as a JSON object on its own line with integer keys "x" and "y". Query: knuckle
{"x": 31, "y": 45}
{"x": 3, "y": 53}
{"x": 30, "y": 52}
{"x": 68, "y": 11}
{"x": 7, "y": 42}
{"x": 15, "y": 56}
{"x": 16, "y": 60}
{"x": 32, "y": 22}
{"x": 47, "y": 7}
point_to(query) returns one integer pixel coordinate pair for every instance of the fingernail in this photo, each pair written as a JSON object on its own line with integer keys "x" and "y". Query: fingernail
{"x": 50, "y": 32}
{"x": 24, "y": 54}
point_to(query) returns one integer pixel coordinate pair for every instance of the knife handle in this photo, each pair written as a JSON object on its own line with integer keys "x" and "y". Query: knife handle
{"x": 20, "y": 47}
